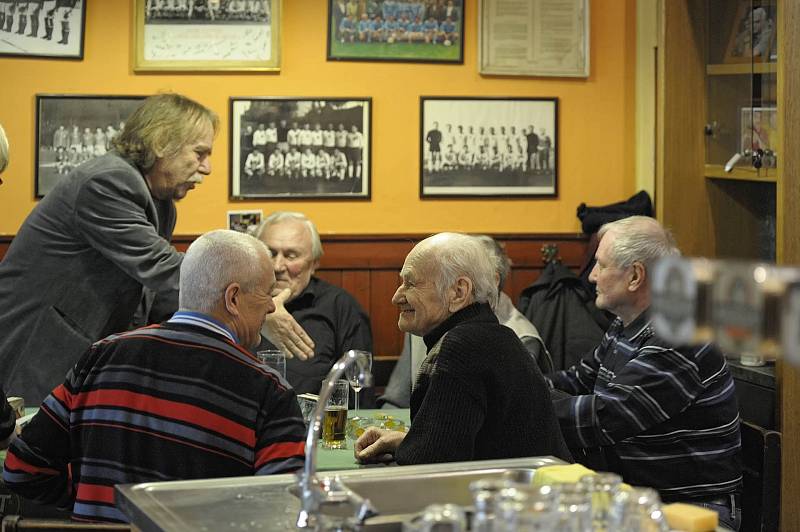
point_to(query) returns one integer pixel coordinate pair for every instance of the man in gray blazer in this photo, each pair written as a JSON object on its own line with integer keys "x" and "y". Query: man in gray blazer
{"x": 76, "y": 268}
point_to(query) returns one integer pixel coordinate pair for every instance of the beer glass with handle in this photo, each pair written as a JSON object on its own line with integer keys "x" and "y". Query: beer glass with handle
{"x": 359, "y": 372}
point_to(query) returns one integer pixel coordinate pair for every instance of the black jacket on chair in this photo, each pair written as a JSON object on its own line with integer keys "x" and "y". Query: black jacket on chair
{"x": 561, "y": 306}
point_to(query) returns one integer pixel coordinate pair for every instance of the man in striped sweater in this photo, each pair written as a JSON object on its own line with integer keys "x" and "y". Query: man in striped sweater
{"x": 665, "y": 416}
{"x": 180, "y": 400}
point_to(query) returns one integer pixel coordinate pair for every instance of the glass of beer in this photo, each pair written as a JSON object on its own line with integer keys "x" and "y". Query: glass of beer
{"x": 334, "y": 423}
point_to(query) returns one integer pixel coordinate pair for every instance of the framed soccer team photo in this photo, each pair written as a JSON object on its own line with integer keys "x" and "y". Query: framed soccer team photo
{"x": 207, "y": 35}
{"x": 42, "y": 28}
{"x": 396, "y": 30}
{"x": 300, "y": 148}
{"x": 488, "y": 147}
{"x": 73, "y": 129}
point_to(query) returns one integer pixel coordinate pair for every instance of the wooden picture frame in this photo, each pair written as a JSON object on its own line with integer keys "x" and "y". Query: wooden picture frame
{"x": 215, "y": 37}
{"x": 54, "y": 30}
{"x": 279, "y": 148}
{"x": 488, "y": 147}
{"x": 67, "y": 132}
{"x": 753, "y": 35}
{"x": 386, "y": 30}
{"x": 534, "y": 38}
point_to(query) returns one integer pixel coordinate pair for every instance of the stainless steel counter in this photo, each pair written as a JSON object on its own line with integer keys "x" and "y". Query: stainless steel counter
{"x": 265, "y": 503}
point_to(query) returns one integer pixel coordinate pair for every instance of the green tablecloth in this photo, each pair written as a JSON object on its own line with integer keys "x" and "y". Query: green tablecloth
{"x": 329, "y": 459}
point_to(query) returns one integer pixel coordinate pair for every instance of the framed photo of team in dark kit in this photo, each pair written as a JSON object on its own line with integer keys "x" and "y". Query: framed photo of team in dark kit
{"x": 488, "y": 147}
{"x": 74, "y": 129}
{"x": 207, "y": 35}
{"x": 42, "y": 28}
{"x": 418, "y": 31}
{"x": 294, "y": 148}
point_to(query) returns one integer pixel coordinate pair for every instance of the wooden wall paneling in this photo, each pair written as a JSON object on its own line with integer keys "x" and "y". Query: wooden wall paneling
{"x": 386, "y": 337}
{"x": 789, "y": 246}
{"x": 357, "y": 284}
{"x": 332, "y": 276}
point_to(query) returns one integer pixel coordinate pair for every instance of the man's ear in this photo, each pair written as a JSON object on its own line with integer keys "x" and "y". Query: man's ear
{"x": 233, "y": 293}
{"x": 638, "y": 276}
{"x": 462, "y": 294}
{"x": 314, "y": 266}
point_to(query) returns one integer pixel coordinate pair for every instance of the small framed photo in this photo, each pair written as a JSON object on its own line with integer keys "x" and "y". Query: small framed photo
{"x": 245, "y": 221}
{"x": 759, "y": 131}
{"x": 212, "y": 35}
{"x": 415, "y": 31}
{"x": 488, "y": 147}
{"x": 72, "y": 129}
{"x": 43, "y": 28}
{"x": 300, "y": 148}
{"x": 753, "y": 34}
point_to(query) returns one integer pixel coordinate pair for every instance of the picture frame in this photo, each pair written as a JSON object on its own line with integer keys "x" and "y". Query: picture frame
{"x": 412, "y": 31}
{"x": 309, "y": 162}
{"x": 220, "y": 36}
{"x": 67, "y": 132}
{"x": 753, "y": 35}
{"x": 758, "y": 131}
{"x": 542, "y": 38}
{"x": 245, "y": 221}
{"x": 49, "y": 29}
{"x": 488, "y": 147}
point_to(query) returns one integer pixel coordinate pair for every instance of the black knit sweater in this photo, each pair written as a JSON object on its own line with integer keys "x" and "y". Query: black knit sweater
{"x": 479, "y": 397}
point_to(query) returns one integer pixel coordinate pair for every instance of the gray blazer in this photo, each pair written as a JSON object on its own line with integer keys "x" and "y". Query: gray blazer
{"x": 75, "y": 271}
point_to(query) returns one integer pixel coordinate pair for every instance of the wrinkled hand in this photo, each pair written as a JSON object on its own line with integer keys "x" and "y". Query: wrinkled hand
{"x": 283, "y": 331}
{"x": 375, "y": 444}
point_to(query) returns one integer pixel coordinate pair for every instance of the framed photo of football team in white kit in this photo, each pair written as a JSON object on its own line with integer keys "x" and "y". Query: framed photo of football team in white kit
{"x": 42, "y": 28}
{"x": 73, "y": 129}
{"x": 293, "y": 148}
{"x": 488, "y": 147}
{"x": 207, "y": 35}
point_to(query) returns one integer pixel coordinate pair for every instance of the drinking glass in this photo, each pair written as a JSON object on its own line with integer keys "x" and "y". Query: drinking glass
{"x": 274, "y": 358}
{"x": 334, "y": 422}
{"x": 359, "y": 372}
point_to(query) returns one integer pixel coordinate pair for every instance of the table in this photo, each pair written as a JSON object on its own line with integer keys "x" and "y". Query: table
{"x": 337, "y": 459}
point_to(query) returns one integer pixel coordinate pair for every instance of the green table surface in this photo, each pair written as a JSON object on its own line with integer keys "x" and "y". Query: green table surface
{"x": 327, "y": 459}
{"x": 335, "y": 459}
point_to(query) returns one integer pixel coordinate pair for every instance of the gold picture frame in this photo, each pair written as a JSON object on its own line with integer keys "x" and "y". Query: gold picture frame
{"x": 219, "y": 36}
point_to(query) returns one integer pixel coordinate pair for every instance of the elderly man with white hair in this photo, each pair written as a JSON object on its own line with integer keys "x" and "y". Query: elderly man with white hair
{"x": 479, "y": 395}
{"x": 664, "y": 416}
{"x": 180, "y": 400}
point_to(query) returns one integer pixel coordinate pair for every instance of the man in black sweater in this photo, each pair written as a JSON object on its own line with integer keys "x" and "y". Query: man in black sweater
{"x": 479, "y": 395}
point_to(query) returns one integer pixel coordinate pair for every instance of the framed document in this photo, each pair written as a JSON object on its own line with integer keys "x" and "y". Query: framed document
{"x": 205, "y": 36}
{"x": 534, "y": 37}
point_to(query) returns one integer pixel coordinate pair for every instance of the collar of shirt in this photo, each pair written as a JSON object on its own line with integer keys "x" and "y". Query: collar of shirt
{"x": 306, "y": 297}
{"x": 635, "y": 330}
{"x": 205, "y": 321}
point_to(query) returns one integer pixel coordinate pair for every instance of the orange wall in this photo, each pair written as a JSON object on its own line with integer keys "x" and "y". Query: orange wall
{"x": 596, "y": 144}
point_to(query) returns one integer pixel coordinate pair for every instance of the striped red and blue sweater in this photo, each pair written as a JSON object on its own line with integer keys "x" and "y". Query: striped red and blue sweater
{"x": 666, "y": 416}
{"x": 166, "y": 402}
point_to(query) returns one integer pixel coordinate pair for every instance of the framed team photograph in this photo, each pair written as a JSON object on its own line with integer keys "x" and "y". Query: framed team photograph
{"x": 73, "y": 129}
{"x": 245, "y": 221}
{"x": 300, "y": 148}
{"x": 426, "y": 31}
{"x": 207, "y": 35}
{"x": 42, "y": 28}
{"x": 753, "y": 36}
{"x": 759, "y": 131}
{"x": 488, "y": 147}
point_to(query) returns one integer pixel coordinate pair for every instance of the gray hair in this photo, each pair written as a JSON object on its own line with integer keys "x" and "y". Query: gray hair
{"x": 214, "y": 261}
{"x": 164, "y": 123}
{"x": 502, "y": 264}
{"x": 639, "y": 238}
{"x": 451, "y": 255}
{"x": 281, "y": 216}
{"x": 3, "y": 149}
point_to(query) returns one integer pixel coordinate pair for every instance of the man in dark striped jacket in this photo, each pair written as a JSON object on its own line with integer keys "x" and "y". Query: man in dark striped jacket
{"x": 180, "y": 400}
{"x": 665, "y": 417}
